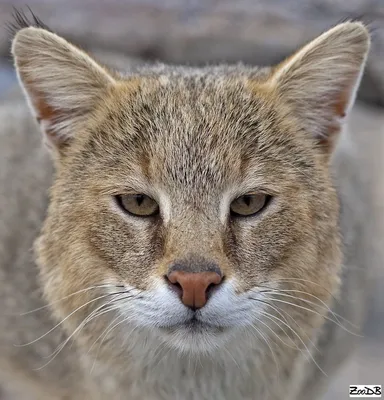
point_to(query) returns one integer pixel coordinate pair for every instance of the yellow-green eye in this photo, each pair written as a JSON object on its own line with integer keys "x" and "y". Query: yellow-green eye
{"x": 249, "y": 204}
{"x": 140, "y": 205}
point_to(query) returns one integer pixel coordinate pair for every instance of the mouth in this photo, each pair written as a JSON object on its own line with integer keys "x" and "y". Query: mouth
{"x": 194, "y": 325}
{"x": 196, "y": 336}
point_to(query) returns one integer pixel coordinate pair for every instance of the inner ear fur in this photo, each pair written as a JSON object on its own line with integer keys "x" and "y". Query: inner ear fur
{"x": 61, "y": 82}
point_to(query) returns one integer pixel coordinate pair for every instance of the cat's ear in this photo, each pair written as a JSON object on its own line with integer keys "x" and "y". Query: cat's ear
{"x": 320, "y": 80}
{"x": 61, "y": 82}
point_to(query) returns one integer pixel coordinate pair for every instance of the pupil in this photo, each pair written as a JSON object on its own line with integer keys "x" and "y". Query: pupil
{"x": 247, "y": 200}
{"x": 139, "y": 199}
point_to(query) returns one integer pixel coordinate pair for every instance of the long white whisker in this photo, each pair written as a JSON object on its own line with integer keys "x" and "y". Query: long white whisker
{"x": 270, "y": 348}
{"x": 310, "y": 354}
{"x": 280, "y": 311}
{"x": 95, "y": 314}
{"x": 337, "y": 316}
{"x": 106, "y": 334}
{"x": 116, "y": 306}
{"x": 113, "y": 305}
{"x": 267, "y": 315}
{"x": 157, "y": 353}
{"x": 300, "y": 280}
{"x": 58, "y": 349}
{"x": 79, "y": 327}
{"x": 233, "y": 358}
{"x": 312, "y": 311}
{"x": 68, "y": 296}
{"x": 63, "y": 320}
{"x": 110, "y": 306}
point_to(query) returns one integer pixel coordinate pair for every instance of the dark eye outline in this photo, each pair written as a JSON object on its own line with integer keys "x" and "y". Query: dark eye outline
{"x": 119, "y": 202}
{"x": 267, "y": 201}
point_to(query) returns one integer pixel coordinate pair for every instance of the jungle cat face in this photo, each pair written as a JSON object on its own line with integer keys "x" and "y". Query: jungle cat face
{"x": 191, "y": 205}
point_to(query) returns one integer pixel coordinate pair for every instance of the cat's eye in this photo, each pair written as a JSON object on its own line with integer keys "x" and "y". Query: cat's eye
{"x": 139, "y": 205}
{"x": 249, "y": 204}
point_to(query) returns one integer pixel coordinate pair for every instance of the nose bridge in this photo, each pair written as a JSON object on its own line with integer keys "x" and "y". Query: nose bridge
{"x": 195, "y": 263}
{"x": 195, "y": 235}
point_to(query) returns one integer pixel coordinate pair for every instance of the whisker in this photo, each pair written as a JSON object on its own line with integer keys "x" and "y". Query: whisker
{"x": 271, "y": 350}
{"x": 103, "y": 309}
{"x": 63, "y": 320}
{"x": 233, "y": 358}
{"x": 57, "y": 351}
{"x": 297, "y": 335}
{"x": 314, "y": 312}
{"x": 306, "y": 347}
{"x": 95, "y": 314}
{"x": 78, "y": 329}
{"x": 70, "y": 295}
{"x": 157, "y": 353}
{"x": 266, "y": 314}
{"x": 102, "y": 333}
{"x": 101, "y": 343}
{"x": 337, "y": 316}
{"x": 280, "y": 311}
{"x": 110, "y": 306}
{"x": 116, "y": 306}
{"x": 300, "y": 280}
{"x": 280, "y": 339}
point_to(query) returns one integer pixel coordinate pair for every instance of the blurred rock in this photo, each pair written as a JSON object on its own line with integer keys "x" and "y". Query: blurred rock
{"x": 256, "y": 32}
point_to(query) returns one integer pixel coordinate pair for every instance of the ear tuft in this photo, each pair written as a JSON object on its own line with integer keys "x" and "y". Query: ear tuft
{"x": 61, "y": 82}
{"x": 20, "y": 20}
{"x": 320, "y": 80}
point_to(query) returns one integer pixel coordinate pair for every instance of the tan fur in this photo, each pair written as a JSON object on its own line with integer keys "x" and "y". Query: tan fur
{"x": 194, "y": 140}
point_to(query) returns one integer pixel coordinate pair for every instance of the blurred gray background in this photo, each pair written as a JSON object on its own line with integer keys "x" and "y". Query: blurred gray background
{"x": 259, "y": 32}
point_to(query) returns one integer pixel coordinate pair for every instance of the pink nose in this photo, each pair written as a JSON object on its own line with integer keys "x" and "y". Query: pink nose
{"x": 194, "y": 288}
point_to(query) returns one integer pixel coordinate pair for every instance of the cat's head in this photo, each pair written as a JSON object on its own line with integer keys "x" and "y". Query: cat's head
{"x": 191, "y": 204}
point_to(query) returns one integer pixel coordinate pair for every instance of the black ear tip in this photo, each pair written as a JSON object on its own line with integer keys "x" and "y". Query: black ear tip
{"x": 21, "y": 20}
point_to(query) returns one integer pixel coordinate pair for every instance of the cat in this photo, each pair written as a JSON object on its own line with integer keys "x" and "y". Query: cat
{"x": 196, "y": 242}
